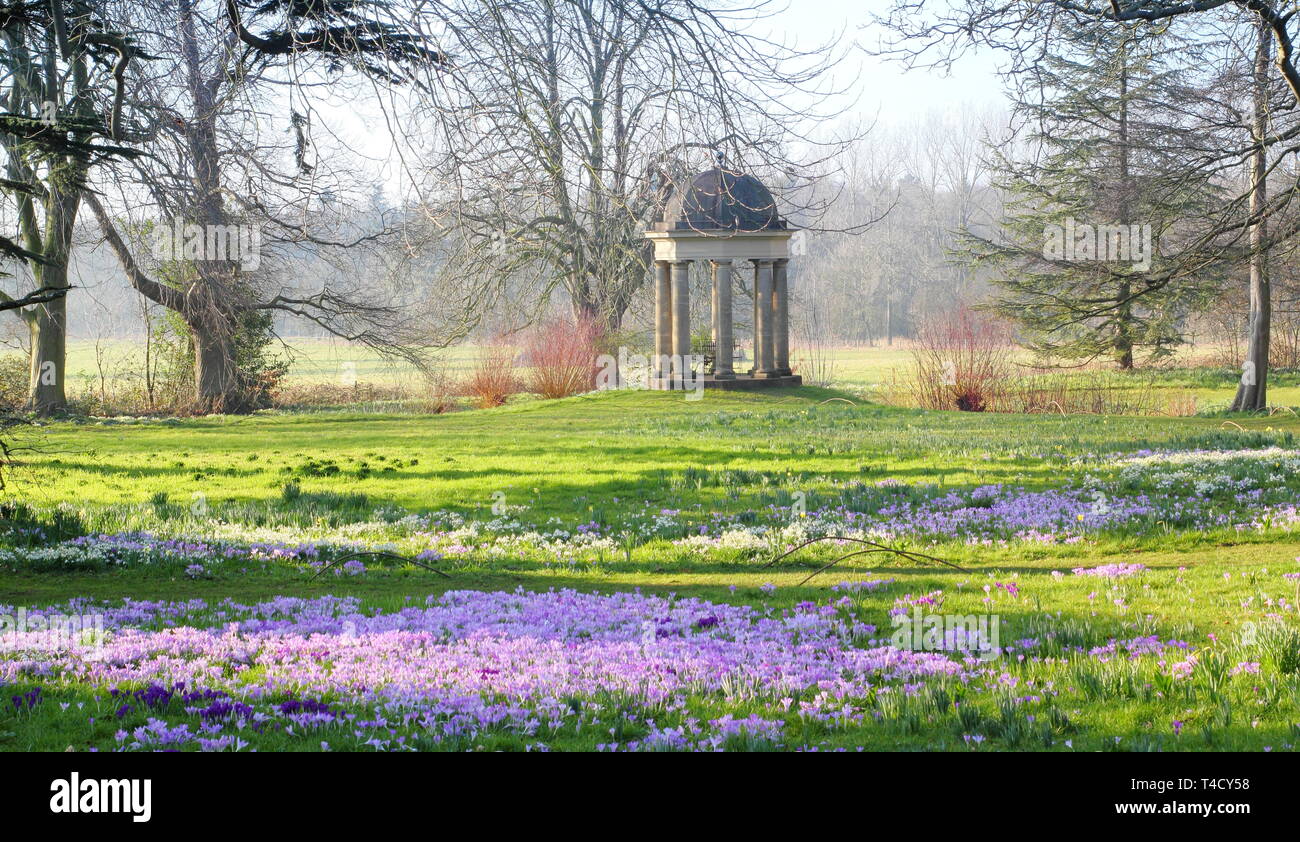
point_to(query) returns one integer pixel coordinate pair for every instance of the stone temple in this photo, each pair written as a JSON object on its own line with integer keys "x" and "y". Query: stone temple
{"x": 727, "y": 222}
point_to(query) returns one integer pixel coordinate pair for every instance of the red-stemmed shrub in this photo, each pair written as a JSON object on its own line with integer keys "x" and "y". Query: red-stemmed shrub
{"x": 493, "y": 379}
{"x": 963, "y": 360}
{"x": 562, "y": 357}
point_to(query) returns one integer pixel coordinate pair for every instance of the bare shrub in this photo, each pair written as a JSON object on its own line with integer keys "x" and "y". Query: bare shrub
{"x": 1224, "y": 330}
{"x": 1182, "y": 405}
{"x": 493, "y": 379}
{"x": 561, "y": 356}
{"x": 438, "y": 397}
{"x": 1087, "y": 392}
{"x": 962, "y": 360}
{"x": 814, "y": 360}
{"x": 323, "y": 395}
{"x": 1284, "y": 344}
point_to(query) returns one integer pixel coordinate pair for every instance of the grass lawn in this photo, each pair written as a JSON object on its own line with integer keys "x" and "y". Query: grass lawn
{"x": 282, "y": 564}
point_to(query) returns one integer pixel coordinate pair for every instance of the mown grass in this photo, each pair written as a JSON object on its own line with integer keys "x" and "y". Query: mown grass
{"x": 559, "y": 457}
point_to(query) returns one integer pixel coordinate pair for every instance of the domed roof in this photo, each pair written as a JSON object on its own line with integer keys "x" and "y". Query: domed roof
{"x": 722, "y": 200}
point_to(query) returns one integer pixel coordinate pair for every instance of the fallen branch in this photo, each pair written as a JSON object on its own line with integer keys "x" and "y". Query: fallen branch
{"x": 393, "y": 556}
{"x": 919, "y": 558}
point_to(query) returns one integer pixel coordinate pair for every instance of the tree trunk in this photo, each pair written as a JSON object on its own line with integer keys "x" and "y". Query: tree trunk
{"x": 48, "y": 327}
{"x": 1252, "y": 392}
{"x": 607, "y": 316}
{"x": 48, "y": 322}
{"x": 216, "y": 379}
{"x": 1123, "y": 336}
{"x": 1124, "y": 318}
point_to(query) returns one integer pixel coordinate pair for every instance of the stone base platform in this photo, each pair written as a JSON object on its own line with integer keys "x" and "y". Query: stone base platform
{"x": 740, "y": 383}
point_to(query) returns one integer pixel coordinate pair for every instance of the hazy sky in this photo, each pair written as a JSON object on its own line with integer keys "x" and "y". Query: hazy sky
{"x": 882, "y": 89}
{"x": 882, "y": 84}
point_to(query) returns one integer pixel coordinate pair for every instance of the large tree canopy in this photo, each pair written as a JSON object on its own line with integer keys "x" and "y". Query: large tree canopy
{"x": 562, "y": 125}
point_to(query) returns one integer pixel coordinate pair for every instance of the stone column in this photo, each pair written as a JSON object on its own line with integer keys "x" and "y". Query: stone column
{"x": 722, "y": 368}
{"x": 781, "y": 317}
{"x": 663, "y": 322}
{"x": 763, "y": 357}
{"x": 713, "y": 311}
{"x": 753, "y": 364}
{"x": 681, "y": 317}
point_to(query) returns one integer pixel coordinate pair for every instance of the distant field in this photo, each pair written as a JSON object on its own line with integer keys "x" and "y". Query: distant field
{"x": 878, "y": 371}
{"x": 875, "y": 372}
{"x": 312, "y": 361}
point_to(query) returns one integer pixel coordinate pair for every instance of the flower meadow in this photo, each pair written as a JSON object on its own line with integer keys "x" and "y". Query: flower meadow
{"x": 632, "y": 671}
{"x": 1147, "y": 496}
{"x": 1122, "y": 601}
{"x": 468, "y": 665}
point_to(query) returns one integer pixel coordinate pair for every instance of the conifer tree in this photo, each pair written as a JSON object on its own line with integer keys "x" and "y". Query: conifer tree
{"x": 1098, "y": 195}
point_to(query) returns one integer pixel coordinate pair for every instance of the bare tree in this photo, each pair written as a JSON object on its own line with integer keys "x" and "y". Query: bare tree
{"x": 1252, "y": 392}
{"x": 62, "y": 70}
{"x": 927, "y": 179}
{"x": 564, "y": 124}
{"x": 213, "y": 174}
